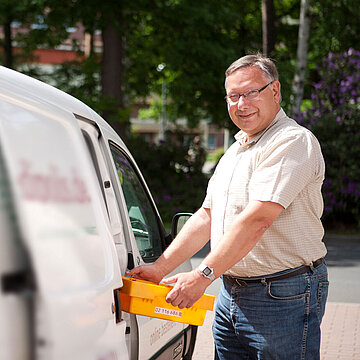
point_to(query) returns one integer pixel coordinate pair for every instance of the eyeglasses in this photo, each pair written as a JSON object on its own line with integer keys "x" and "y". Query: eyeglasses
{"x": 249, "y": 95}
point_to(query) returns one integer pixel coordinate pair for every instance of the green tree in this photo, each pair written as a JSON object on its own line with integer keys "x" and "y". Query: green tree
{"x": 196, "y": 41}
{"x": 301, "y": 57}
{"x": 268, "y": 26}
{"x": 25, "y": 13}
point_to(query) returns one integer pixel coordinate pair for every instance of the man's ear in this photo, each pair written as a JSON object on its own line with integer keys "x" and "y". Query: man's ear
{"x": 276, "y": 87}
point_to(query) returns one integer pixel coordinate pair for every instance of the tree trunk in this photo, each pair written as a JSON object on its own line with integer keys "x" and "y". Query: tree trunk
{"x": 8, "y": 49}
{"x": 112, "y": 78}
{"x": 268, "y": 27}
{"x": 301, "y": 62}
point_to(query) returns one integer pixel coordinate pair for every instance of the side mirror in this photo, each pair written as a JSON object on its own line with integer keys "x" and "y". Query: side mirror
{"x": 178, "y": 222}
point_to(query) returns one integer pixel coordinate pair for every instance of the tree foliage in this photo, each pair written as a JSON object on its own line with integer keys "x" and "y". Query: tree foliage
{"x": 197, "y": 41}
{"x": 176, "y": 179}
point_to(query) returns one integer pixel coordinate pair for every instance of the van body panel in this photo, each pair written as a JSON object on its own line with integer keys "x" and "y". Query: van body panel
{"x": 62, "y": 226}
{"x": 15, "y": 322}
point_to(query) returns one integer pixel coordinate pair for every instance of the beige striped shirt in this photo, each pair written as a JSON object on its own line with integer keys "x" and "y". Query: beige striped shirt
{"x": 282, "y": 164}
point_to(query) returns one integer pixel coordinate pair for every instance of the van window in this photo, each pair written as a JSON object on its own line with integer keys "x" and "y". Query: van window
{"x": 141, "y": 212}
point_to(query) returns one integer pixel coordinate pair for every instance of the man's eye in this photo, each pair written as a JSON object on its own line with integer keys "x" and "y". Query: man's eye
{"x": 234, "y": 97}
{"x": 251, "y": 93}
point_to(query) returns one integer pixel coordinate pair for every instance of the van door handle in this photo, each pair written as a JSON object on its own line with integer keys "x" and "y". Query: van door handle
{"x": 131, "y": 263}
{"x": 17, "y": 282}
{"x": 117, "y": 305}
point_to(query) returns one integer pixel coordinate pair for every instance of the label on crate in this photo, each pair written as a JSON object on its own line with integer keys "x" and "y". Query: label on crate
{"x": 170, "y": 312}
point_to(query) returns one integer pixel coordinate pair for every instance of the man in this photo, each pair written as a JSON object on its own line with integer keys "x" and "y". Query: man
{"x": 262, "y": 212}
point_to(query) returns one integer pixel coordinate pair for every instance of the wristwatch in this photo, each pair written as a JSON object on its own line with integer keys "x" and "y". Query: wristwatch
{"x": 207, "y": 272}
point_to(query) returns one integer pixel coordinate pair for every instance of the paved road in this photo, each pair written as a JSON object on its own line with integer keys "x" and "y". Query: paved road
{"x": 341, "y": 324}
{"x": 343, "y": 262}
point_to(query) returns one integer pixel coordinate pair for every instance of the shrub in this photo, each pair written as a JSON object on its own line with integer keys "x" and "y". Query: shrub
{"x": 173, "y": 172}
{"x": 334, "y": 118}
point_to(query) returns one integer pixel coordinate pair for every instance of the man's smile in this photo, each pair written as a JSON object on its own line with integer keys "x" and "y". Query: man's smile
{"x": 246, "y": 116}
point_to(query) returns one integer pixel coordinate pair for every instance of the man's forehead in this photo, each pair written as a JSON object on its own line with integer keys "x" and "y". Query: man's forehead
{"x": 244, "y": 77}
{"x": 248, "y": 71}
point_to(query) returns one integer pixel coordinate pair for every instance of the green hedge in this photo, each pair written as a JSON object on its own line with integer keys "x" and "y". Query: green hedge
{"x": 173, "y": 172}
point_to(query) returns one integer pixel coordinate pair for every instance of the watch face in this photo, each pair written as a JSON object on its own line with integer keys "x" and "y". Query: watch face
{"x": 207, "y": 271}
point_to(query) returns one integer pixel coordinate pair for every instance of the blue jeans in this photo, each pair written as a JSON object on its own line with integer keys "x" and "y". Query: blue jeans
{"x": 277, "y": 320}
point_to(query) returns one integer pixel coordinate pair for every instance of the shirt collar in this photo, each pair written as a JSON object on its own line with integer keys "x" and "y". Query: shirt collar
{"x": 241, "y": 135}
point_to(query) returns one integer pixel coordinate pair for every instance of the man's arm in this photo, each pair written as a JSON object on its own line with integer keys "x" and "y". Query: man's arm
{"x": 192, "y": 237}
{"x": 240, "y": 237}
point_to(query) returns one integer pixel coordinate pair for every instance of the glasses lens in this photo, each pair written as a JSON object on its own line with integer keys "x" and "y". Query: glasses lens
{"x": 233, "y": 98}
{"x": 251, "y": 95}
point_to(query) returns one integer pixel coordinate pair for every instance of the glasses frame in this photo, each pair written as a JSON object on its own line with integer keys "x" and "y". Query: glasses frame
{"x": 246, "y": 94}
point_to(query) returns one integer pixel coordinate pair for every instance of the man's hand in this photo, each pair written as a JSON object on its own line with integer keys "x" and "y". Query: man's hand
{"x": 188, "y": 288}
{"x": 150, "y": 272}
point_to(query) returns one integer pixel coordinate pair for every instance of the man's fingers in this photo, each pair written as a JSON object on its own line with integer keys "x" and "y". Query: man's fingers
{"x": 177, "y": 299}
{"x": 170, "y": 280}
{"x": 134, "y": 271}
{"x": 173, "y": 297}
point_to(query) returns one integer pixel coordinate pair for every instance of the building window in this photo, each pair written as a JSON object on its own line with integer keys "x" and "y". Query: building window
{"x": 211, "y": 143}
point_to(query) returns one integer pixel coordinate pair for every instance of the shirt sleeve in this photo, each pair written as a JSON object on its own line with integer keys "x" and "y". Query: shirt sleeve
{"x": 207, "y": 201}
{"x": 286, "y": 167}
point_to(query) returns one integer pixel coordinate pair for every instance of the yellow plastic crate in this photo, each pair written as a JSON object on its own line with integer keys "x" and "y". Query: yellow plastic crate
{"x": 146, "y": 298}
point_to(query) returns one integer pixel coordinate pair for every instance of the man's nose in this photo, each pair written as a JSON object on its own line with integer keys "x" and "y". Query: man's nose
{"x": 242, "y": 102}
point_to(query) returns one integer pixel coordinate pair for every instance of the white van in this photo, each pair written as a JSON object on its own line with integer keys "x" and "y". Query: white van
{"x": 75, "y": 214}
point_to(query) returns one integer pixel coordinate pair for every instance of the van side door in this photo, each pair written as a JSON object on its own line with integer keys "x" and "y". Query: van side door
{"x": 156, "y": 337}
{"x": 144, "y": 237}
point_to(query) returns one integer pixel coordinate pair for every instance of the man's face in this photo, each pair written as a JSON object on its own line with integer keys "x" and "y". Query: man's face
{"x": 252, "y": 116}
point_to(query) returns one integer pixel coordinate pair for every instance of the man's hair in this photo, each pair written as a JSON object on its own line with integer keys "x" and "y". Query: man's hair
{"x": 265, "y": 64}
